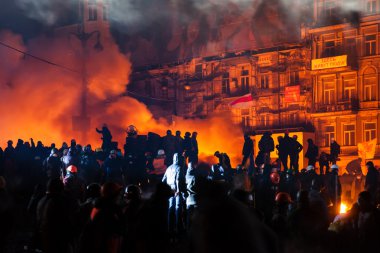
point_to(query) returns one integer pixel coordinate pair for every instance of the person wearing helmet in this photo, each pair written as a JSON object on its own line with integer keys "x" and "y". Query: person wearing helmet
{"x": 280, "y": 215}
{"x": 55, "y": 223}
{"x": 52, "y": 164}
{"x": 334, "y": 188}
{"x": 159, "y": 163}
{"x": 105, "y": 228}
{"x": 113, "y": 169}
{"x": 71, "y": 158}
{"x": 74, "y": 186}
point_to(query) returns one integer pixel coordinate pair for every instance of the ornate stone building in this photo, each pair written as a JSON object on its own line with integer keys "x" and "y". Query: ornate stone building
{"x": 345, "y": 78}
{"x": 324, "y": 85}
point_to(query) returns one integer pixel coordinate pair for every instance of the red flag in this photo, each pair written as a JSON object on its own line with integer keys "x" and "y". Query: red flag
{"x": 243, "y": 102}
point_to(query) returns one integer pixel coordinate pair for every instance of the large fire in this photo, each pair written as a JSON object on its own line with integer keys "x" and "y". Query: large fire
{"x": 38, "y": 100}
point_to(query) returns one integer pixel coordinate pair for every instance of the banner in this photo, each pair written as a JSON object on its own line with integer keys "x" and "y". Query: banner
{"x": 243, "y": 102}
{"x": 292, "y": 94}
{"x": 329, "y": 62}
{"x": 366, "y": 150}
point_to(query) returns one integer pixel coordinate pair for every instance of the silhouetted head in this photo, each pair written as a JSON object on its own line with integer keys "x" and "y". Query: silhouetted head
{"x": 168, "y": 132}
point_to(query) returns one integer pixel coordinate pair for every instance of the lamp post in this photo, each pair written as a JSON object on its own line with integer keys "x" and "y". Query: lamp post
{"x": 83, "y": 121}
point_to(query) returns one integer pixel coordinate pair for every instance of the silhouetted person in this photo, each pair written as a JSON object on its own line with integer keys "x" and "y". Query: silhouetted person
{"x": 106, "y": 137}
{"x": 266, "y": 145}
{"x": 105, "y": 230}
{"x": 324, "y": 163}
{"x": 372, "y": 179}
{"x": 113, "y": 169}
{"x": 178, "y": 142}
{"x": 6, "y": 215}
{"x": 282, "y": 153}
{"x": 194, "y": 148}
{"x": 55, "y": 222}
{"x": 169, "y": 146}
{"x": 334, "y": 188}
{"x": 311, "y": 153}
{"x": 248, "y": 153}
{"x": 334, "y": 151}
{"x": 294, "y": 151}
{"x": 52, "y": 164}
{"x": 187, "y": 144}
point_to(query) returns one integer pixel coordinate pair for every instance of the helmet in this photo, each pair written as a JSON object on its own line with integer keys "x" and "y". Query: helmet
{"x": 310, "y": 167}
{"x": 161, "y": 152}
{"x": 131, "y": 130}
{"x": 275, "y": 178}
{"x": 334, "y": 167}
{"x": 283, "y": 198}
{"x": 72, "y": 169}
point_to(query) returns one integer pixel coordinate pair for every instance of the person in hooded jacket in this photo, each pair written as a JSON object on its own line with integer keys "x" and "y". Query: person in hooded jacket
{"x": 52, "y": 164}
{"x": 104, "y": 231}
{"x": 74, "y": 186}
{"x": 113, "y": 169}
{"x": 106, "y": 137}
{"x": 89, "y": 167}
{"x": 372, "y": 179}
{"x": 71, "y": 158}
{"x": 55, "y": 222}
{"x": 172, "y": 178}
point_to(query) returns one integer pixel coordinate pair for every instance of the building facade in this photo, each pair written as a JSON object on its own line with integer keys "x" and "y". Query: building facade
{"x": 346, "y": 92}
{"x": 326, "y": 85}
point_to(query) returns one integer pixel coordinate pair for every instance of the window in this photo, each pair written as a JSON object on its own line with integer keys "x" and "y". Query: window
{"x": 350, "y": 45}
{"x": 349, "y": 135}
{"x": 369, "y": 84}
{"x": 105, "y": 12}
{"x": 198, "y": 69}
{"x": 264, "y": 120}
{"x": 226, "y": 84}
{"x": 329, "y": 134}
{"x": 294, "y": 77}
{"x": 329, "y": 8}
{"x": 92, "y": 10}
{"x": 245, "y": 118}
{"x": 349, "y": 88}
{"x": 245, "y": 83}
{"x": 370, "y": 44}
{"x": 264, "y": 81}
{"x": 293, "y": 118}
{"x": 329, "y": 92}
{"x": 329, "y": 49}
{"x": 149, "y": 89}
{"x": 369, "y": 131}
{"x": 371, "y": 7}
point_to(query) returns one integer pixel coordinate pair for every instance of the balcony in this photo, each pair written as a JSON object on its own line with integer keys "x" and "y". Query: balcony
{"x": 300, "y": 125}
{"x": 340, "y": 107}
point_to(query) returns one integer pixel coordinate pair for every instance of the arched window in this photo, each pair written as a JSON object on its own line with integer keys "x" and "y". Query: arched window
{"x": 92, "y": 10}
{"x": 370, "y": 84}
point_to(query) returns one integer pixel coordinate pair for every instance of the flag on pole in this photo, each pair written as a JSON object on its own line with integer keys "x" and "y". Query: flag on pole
{"x": 366, "y": 150}
{"x": 243, "y": 102}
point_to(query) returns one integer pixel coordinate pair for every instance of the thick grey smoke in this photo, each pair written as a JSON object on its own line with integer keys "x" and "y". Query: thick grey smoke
{"x": 47, "y": 12}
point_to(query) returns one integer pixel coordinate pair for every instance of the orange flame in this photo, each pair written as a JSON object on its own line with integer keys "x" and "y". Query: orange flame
{"x": 39, "y": 100}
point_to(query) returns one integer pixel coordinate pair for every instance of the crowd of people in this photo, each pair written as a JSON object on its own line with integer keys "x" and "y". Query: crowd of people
{"x": 157, "y": 196}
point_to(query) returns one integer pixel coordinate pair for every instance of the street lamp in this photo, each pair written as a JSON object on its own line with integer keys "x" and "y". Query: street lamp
{"x": 83, "y": 121}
